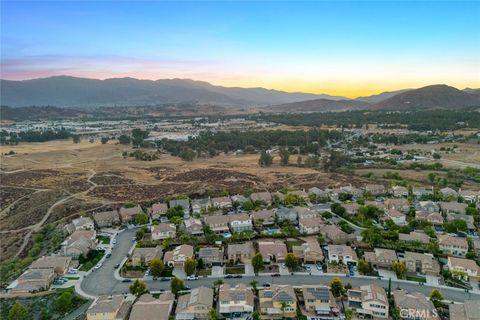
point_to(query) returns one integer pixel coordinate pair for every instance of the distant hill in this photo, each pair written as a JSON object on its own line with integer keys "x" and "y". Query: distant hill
{"x": 37, "y": 113}
{"x": 318, "y": 105}
{"x": 381, "y": 96}
{"x": 65, "y": 91}
{"x": 472, "y": 91}
{"x": 429, "y": 97}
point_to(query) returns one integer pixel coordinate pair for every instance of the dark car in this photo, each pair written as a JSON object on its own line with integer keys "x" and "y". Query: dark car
{"x": 108, "y": 255}
{"x": 228, "y": 276}
{"x": 276, "y": 275}
{"x": 117, "y": 266}
{"x": 237, "y": 276}
{"x": 127, "y": 280}
{"x": 165, "y": 279}
{"x": 266, "y": 285}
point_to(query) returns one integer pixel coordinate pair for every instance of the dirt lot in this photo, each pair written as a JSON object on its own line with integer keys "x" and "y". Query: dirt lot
{"x": 10, "y": 243}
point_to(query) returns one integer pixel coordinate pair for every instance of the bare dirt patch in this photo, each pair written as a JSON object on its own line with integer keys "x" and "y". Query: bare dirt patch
{"x": 10, "y": 243}
{"x": 9, "y": 195}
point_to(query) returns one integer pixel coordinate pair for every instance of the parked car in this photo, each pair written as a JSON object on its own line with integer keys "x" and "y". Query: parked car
{"x": 238, "y": 276}
{"x": 108, "y": 255}
{"x": 266, "y": 285}
{"x": 319, "y": 267}
{"x": 116, "y": 266}
{"x": 308, "y": 268}
{"x": 276, "y": 275}
{"x": 165, "y": 279}
{"x": 127, "y": 280}
{"x": 73, "y": 271}
{"x": 228, "y": 276}
{"x": 192, "y": 277}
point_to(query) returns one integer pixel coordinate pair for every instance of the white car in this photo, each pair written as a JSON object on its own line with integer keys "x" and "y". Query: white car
{"x": 73, "y": 271}
{"x": 98, "y": 266}
{"x": 192, "y": 278}
{"x": 114, "y": 241}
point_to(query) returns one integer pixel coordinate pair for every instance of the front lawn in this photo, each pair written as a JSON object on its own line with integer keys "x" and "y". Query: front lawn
{"x": 235, "y": 270}
{"x": 103, "y": 239}
{"x": 91, "y": 260}
{"x": 416, "y": 279}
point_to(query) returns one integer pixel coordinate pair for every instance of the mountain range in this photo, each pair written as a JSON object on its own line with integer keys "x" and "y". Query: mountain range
{"x": 73, "y": 92}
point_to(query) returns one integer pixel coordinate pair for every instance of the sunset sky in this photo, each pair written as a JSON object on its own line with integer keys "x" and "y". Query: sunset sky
{"x": 342, "y": 48}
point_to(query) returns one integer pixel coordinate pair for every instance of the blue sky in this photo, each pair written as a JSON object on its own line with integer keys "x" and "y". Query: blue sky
{"x": 348, "y": 48}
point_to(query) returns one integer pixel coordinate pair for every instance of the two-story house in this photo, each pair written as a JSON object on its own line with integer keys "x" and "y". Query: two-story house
{"x": 369, "y": 302}
{"x": 194, "y": 305}
{"x": 240, "y": 222}
{"x": 342, "y": 254}
{"x": 454, "y": 246}
{"x": 464, "y": 269}
{"x": 235, "y": 302}
{"x": 164, "y": 231}
{"x": 179, "y": 255}
{"x": 278, "y": 301}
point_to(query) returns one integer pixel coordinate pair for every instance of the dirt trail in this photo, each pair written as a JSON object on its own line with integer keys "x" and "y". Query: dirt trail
{"x": 5, "y": 211}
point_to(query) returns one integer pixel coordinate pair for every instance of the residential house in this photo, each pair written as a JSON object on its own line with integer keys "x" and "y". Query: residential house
{"x": 309, "y": 251}
{"x": 369, "y": 301}
{"x": 183, "y": 203}
{"x": 319, "y": 302}
{"x": 415, "y": 236}
{"x": 106, "y": 219}
{"x": 241, "y": 252}
{"x": 143, "y": 256}
{"x": 310, "y": 225}
{"x": 179, "y": 255}
{"x": 235, "y": 302}
{"x": 468, "y": 310}
{"x": 79, "y": 243}
{"x": 127, "y": 215}
{"x": 32, "y": 280}
{"x": 301, "y": 194}
{"x": 306, "y": 213}
{"x": 194, "y": 305}
{"x": 335, "y": 235}
{"x": 351, "y": 208}
{"x": 435, "y": 218}
{"x": 399, "y": 218}
{"x": 448, "y": 193}
{"x": 221, "y": 202}
{"x": 193, "y": 226}
{"x": 454, "y": 246}
{"x": 317, "y": 192}
{"x": 420, "y": 192}
{"x": 381, "y": 258}
{"x": 471, "y": 196}
{"x": 452, "y": 207}
{"x": 427, "y": 206}
{"x": 261, "y": 197}
{"x": 238, "y": 198}
{"x": 82, "y": 223}
{"x": 465, "y": 269}
{"x": 113, "y": 308}
{"x": 217, "y": 223}
{"x": 423, "y": 263}
{"x": 240, "y": 222}
{"x": 158, "y": 210}
{"x": 421, "y": 306}
{"x": 59, "y": 264}
{"x": 399, "y": 191}
{"x": 287, "y": 214}
{"x": 401, "y": 204}
{"x": 342, "y": 254}
{"x": 164, "y": 231}
{"x": 263, "y": 218}
{"x": 465, "y": 217}
{"x": 272, "y": 250}
{"x": 148, "y": 307}
{"x": 375, "y": 189}
{"x": 278, "y": 301}
{"x": 351, "y": 190}
{"x": 200, "y": 205}
{"x": 211, "y": 255}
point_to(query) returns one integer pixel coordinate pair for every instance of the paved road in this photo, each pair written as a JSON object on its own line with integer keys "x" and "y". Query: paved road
{"x": 103, "y": 282}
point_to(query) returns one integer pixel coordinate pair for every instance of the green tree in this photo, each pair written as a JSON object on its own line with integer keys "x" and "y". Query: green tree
{"x": 399, "y": 268}
{"x": 212, "y": 314}
{"x": 138, "y": 288}
{"x": 455, "y": 226}
{"x": 436, "y": 297}
{"x": 156, "y": 267}
{"x": 189, "y": 266}
{"x": 257, "y": 262}
{"x": 363, "y": 267}
{"x": 291, "y": 261}
{"x": 18, "y": 312}
{"x": 104, "y": 140}
{"x": 348, "y": 314}
{"x": 124, "y": 139}
{"x": 139, "y": 235}
{"x": 255, "y": 315}
{"x": 336, "y": 286}
{"x": 186, "y": 154}
{"x": 254, "y": 283}
{"x": 64, "y": 302}
{"x": 284, "y": 157}
{"x": 141, "y": 218}
{"x": 265, "y": 159}
{"x": 176, "y": 285}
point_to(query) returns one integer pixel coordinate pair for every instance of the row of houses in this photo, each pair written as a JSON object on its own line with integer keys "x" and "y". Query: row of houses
{"x": 274, "y": 302}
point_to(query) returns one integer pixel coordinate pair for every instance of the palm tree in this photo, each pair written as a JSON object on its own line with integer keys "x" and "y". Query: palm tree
{"x": 284, "y": 305}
